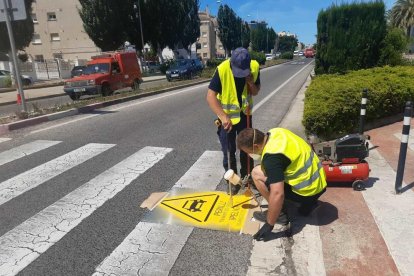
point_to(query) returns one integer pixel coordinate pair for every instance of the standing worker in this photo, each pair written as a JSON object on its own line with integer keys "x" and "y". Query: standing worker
{"x": 229, "y": 96}
{"x": 289, "y": 170}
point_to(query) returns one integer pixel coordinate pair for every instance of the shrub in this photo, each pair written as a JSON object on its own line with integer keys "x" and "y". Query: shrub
{"x": 332, "y": 102}
{"x": 350, "y": 37}
{"x": 286, "y": 55}
{"x": 259, "y": 57}
{"x": 213, "y": 63}
{"x": 5, "y": 82}
{"x": 395, "y": 43}
{"x": 165, "y": 66}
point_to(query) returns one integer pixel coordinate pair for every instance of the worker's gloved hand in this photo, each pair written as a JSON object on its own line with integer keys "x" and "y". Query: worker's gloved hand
{"x": 265, "y": 230}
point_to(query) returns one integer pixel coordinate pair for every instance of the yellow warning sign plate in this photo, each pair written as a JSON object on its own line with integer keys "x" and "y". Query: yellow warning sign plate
{"x": 213, "y": 210}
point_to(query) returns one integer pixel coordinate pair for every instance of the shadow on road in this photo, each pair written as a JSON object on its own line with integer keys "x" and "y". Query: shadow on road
{"x": 325, "y": 214}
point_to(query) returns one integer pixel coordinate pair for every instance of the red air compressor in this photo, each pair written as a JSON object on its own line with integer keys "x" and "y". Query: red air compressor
{"x": 347, "y": 163}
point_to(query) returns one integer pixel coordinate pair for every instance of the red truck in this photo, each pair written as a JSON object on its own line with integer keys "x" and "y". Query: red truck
{"x": 309, "y": 53}
{"x": 104, "y": 74}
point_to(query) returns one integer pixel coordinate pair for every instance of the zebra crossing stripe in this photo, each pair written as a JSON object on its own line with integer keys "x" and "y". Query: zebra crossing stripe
{"x": 23, "y": 244}
{"x": 30, "y": 179}
{"x": 25, "y": 150}
{"x": 4, "y": 140}
{"x": 152, "y": 249}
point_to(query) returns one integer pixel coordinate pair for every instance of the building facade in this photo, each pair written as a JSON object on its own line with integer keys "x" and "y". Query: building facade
{"x": 59, "y": 32}
{"x": 211, "y": 46}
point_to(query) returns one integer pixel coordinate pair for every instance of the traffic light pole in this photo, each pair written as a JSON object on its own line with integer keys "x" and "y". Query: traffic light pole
{"x": 17, "y": 79}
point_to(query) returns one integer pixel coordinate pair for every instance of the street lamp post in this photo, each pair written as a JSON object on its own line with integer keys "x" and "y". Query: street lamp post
{"x": 137, "y": 7}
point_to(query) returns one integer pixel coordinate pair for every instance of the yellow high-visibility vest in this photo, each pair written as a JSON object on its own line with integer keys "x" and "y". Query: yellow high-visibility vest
{"x": 305, "y": 173}
{"x": 228, "y": 96}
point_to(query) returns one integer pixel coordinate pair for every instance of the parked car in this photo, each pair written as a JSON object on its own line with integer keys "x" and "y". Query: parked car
{"x": 184, "y": 69}
{"x": 77, "y": 71}
{"x": 5, "y": 74}
{"x": 296, "y": 53}
{"x": 152, "y": 66}
{"x": 269, "y": 56}
{"x": 104, "y": 74}
{"x": 301, "y": 53}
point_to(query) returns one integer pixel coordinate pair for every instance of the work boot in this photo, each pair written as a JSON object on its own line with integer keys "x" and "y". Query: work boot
{"x": 262, "y": 216}
{"x": 306, "y": 209}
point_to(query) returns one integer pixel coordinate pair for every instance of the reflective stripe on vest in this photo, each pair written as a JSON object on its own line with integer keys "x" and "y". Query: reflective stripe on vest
{"x": 308, "y": 182}
{"x": 307, "y": 165}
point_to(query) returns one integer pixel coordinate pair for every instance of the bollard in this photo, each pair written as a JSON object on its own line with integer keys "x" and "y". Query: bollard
{"x": 403, "y": 147}
{"x": 364, "y": 101}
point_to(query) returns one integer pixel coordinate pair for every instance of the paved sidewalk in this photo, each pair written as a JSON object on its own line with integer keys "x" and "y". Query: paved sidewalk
{"x": 352, "y": 233}
{"x": 53, "y": 91}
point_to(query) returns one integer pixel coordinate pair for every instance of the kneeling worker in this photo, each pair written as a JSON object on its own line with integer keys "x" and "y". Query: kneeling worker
{"x": 289, "y": 169}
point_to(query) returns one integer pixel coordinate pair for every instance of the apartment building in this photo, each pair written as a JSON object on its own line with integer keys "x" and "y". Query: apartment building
{"x": 59, "y": 32}
{"x": 211, "y": 46}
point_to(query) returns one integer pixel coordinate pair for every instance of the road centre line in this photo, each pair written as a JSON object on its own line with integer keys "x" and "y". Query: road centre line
{"x": 152, "y": 248}
{"x": 26, "y": 242}
{"x": 25, "y": 150}
{"x": 4, "y": 140}
{"x": 264, "y": 100}
{"x": 30, "y": 179}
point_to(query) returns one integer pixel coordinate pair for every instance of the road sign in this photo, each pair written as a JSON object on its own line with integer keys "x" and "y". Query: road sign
{"x": 18, "y": 10}
{"x": 211, "y": 210}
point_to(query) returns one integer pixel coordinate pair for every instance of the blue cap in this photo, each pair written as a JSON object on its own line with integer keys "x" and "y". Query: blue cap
{"x": 240, "y": 63}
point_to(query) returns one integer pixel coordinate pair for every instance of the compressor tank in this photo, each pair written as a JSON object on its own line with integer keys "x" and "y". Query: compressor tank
{"x": 346, "y": 172}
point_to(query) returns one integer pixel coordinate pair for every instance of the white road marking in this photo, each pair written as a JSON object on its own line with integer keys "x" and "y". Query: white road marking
{"x": 25, "y": 150}
{"x": 265, "y": 99}
{"x": 408, "y": 139}
{"x": 30, "y": 179}
{"x": 121, "y": 107}
{"x": 63, "y": 124}
{"x": 151, "y": 248}
{"x": 23, "y": 244}
{"x": 4, "y": 139}
{"x": 394, "y": 214}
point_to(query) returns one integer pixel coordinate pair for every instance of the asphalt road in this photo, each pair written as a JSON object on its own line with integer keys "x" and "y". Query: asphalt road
{"x": 62, "y": 99}
{"x": 100, "y": 149}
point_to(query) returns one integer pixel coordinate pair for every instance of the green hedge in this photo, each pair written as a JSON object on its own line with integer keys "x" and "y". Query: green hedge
{"x": 258, "y": 56}
{"x": 213, "y": 63}
{"x": 332, "y": 102}
{"x": 286, "y": 55}
{"x": 350, "y": 37}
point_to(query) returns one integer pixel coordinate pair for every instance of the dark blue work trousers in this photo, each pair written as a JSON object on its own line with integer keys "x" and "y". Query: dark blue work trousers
{"x": 228, "y": 147}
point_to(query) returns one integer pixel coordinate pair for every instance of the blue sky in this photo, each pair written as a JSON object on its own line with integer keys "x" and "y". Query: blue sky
{"x": 296, "y": 16}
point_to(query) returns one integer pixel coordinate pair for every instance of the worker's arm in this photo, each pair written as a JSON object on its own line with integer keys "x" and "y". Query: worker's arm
{"x": 251, "y": 86}
{"x": 276, "y": 198}
{"x": 215, "y": 106}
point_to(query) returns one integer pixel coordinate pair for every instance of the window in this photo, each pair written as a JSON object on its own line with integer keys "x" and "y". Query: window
{"x": 36, "y": 39}
{"x": 204, "y": 34}
{"x": 51, "y": 16}
{"x": 115, "y": 68}
{"x": 39, "y": 58}
{"x": 54, "y": 37}
{"x": 205, "y": 45}
{"x": 204, "y": 55}
{"x": 221, "y": 47}
{"x": 34, "y": 18}
{"x": 58, "y": 55}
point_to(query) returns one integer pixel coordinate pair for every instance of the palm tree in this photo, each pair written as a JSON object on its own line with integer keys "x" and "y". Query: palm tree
{"x": 402, "y": 15}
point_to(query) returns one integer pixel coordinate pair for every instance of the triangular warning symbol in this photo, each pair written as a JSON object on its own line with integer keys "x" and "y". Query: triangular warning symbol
{"x": 198, "y": 207}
